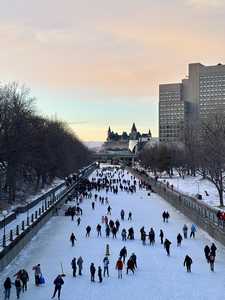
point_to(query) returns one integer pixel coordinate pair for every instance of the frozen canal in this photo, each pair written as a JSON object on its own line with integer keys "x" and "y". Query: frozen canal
{"x": 157, "y": 276}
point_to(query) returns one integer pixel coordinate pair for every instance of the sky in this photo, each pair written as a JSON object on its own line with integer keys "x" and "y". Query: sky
{"x": 95, "y": 63}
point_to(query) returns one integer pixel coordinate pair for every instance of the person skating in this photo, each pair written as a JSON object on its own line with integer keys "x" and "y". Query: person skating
{"x": 151, "y": 237}
{"x": 134, "y": 258}
{"x": 93, "y": 205}
{"x": 72, "y": 239}
{"x": 88, "y": 230}
{"x": 78, "y": 221}
{"x": 124, "y": 234}
{"x": 122, "y": 215}
{"x": 117, "y": 223}
{"x": 80, "y": 265}
{"x": 207, "y": 251}
{"x": 193, "y": 230}
{"x": 130, "y": 216}
{"x": 213, "y": 249}
{"x": 74, "y": 266}
{"x": 100, "y": 274}
{"x": 130, "y": 233}
{"x": 185, "y": 231}
{"x": 7, "y": 288}
{"x": 211, "y": 260}
{"x": 188, "y": 262}
{"x": 167, "y": 215}
{"x": 164, "y": 216}
{"x": 58, "y": 282}
{"x": 130, "y": 265}
{"x": 37, "y": 274}
{"x": 24, "y": 277}
{"x": 107, "y": 231}
{"x": 161, "y": 235}
{"x": 119, "y": 267}
{"x": 114, "y": 232}
{"x": 123, "y": 253}
{"x": 106, "y": 266}
{"x": 179, "y": 240}
{"x": 99, "y": 230}
{"x": 18, "y": 286}
{"x": 167, "y": 244}
{"x": 109, "y": 210}
{"x": 92, "y": 271}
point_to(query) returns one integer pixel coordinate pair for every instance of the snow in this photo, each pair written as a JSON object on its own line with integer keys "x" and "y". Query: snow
{"x": 157, "y": 277}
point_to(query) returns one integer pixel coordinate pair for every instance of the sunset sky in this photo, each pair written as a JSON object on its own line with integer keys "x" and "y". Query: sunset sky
{"x": 98, "y": 62}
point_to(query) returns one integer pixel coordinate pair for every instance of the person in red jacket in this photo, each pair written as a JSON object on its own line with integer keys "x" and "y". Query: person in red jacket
{"x": 119, "y": 267}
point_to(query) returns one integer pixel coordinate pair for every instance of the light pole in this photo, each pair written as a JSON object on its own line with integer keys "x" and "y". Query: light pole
{"x": 4, "y": 236}
{"x": 28, "y": 219}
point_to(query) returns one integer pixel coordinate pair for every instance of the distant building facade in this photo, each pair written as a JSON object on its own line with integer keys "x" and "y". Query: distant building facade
{"x": 194, "y": 99}
{"x": 133, "y": 141}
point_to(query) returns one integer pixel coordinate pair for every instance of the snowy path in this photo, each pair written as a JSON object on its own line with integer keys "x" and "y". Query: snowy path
{"x": 158, "y": 276}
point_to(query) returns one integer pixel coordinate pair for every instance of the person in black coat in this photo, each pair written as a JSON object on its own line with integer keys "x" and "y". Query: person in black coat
{"x": 161, "y": 235}
{"x": 72, "y": 239}
{"x": 164, "y": 216}
{"x": 123, "y": 253}
{"x": 107, "y": 231}
{"x": 207, "y": 251}
{"x": 58, "y": 282}
{"x": 88, "y": 230}
{"x": 74, "y": 266}
{"x": 188, "y": 262}
{"x": 167, "y": 244}
{"x": 92, "y": 271}
{"x": 213, "y": 249}
{"x": 24, "y": 277}
{"x": 18, "y": 286}
{"x": 99, "y": 230}
{"x": 7, "y": 287}
{"x": 179, "y": 240}
{"x": 151, "y": 236}
{"x": 134, "y": 259}
{"x": 100, "y": 274}
{"x": 114, "y": 232}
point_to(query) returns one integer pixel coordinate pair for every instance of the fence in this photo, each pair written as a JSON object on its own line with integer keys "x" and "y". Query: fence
{"x": 199, "y": 212}
{"x": 13, "y": 241}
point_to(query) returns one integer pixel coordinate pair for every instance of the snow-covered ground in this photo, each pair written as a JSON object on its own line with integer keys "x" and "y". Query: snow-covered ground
{"x": 195, "y": 185}
{"x": 158, "y": 277}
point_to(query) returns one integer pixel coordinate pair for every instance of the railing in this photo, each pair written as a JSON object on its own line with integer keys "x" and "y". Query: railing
{"x": 49, "y": 200}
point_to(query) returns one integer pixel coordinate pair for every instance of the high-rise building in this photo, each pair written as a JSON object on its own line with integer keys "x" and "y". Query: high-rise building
{"x": 197, "y": 97}
{"x": 171, "y": 112}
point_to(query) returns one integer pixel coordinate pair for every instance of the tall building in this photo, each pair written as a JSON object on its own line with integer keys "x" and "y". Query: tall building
{"x": 171, "y": 112}
{"x": 200, "y": 95}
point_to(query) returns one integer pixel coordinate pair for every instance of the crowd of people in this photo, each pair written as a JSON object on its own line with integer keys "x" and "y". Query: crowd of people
{"x": 109, "y": 180}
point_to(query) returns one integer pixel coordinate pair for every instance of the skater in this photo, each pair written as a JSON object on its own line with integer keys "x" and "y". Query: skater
{"x": 106, "y": 266}
{"x": 78, "y": 221}
{"x": 88, "y": 230}
{"x": 109, "y": 210}
{"x": 193, "y": 230}
{"x": 130, "y": 216}
{"x": 134, "y": 258}
{"x": 179, "y": 240}
{"x": 72, "y": 239}
{"x": 114, "y": 232}
{"x": 24, "y": 277}
{"x": 58, "y": 282}
{"x": 7, "y": 287}
{"x": 92, "y": 271}
{"x": 99, "y": 230}
{"x": 130, "y": 265}
{"x": 207, "y": 251}
{"x": 188, "y": 263}
{"x": 80, "y": 265}
{"x": 124, "y": 234}
{"x": 167, "y": 215}
{"x": 107, "y": 231}
{"x": 74, "y": 266}
{"x": 151, "y": 237}
{"x": 211, "y": 261}
{"x": 161, "y": 235}
{"x": 117, "y": 223}
{"x": 130, "y": 233}
{"x": 72, "y": 214}
{"x": 18, "y": 286}
{"x": 37, "y": 274}
{"x": 100, "y": 274}
{"x": 119, "y": 267}
{"x": 93, "y": 205}
{"x": 122, "y": 215}
{"x": 167, "y": 244}
{"x": 164, "y": 216}
{"x": 185, "y": 231}
{"x": 213, "y": 249}
{"x": 123, "y": 253}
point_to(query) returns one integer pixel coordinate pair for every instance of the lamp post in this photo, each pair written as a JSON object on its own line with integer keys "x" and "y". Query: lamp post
{"x": 4, "y": 236}
{"x": 28, "y": 219}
